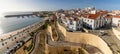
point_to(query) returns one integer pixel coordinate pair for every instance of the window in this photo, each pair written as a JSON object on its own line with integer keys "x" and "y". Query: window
{"x": 85, "y": 19}
{"x": 71, "y": 23}
{"x": 91, "y": 20}
{"x": 2, "y": 44}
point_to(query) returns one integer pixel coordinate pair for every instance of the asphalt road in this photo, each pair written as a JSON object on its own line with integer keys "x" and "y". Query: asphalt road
{"x": 37, "y": 39}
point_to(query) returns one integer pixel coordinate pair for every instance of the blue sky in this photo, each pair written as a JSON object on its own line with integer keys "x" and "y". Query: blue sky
{"x": 36, "y": 5}
{"x": 69, "y": 4}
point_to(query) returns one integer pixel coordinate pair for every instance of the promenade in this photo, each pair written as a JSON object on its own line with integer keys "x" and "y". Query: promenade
{"x": 10, "y": 42}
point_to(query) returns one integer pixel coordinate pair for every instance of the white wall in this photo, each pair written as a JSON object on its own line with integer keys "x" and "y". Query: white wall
{"x": 89, "y": 22}
{"x": 93, "y": 12}
{"x": 74, "y": 25}
{"x": 108, "y": 20}
{"x": 116, "y": 21}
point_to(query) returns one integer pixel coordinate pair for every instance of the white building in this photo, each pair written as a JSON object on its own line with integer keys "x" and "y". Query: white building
{"x": 71, "y": 23}
{"x": 90, "y": 8}
{"x": 108, "y": 19}
{"x": 116, "y": 21}
{"x": 116, "y": 11}
{"x": 93, "y": 11}
{"x": 93, "y": 21}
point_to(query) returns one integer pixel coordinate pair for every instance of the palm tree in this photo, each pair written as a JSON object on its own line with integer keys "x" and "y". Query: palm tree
{"x": 7, "y": 47}
{"x": 1, "y": 39}
{"x": 2, "y": 44}
{"x": 5, "y": 42}
{"x": 15, "y": 37}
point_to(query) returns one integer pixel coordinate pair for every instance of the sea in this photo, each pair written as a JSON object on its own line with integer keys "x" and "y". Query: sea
{"x": 10, "y": 24}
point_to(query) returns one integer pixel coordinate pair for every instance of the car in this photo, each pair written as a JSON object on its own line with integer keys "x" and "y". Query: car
{"x": 103, "y": 33}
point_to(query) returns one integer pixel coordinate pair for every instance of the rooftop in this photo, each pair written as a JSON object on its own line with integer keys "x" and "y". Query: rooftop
{"x": 108, "y": 16}
{"x": 92, "y": 16}
{"x": 116, "y": 16}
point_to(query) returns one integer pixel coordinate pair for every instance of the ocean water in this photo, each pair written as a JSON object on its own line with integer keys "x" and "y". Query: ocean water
{"x": 15, "y": 23}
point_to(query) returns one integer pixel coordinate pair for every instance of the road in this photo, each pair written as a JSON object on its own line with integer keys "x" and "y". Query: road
{"x": 11, "y": 43}
{"x": 36, "y": 43}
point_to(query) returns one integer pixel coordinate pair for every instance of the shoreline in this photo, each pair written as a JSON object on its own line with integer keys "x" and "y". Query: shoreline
{"x": 12, "y": 33}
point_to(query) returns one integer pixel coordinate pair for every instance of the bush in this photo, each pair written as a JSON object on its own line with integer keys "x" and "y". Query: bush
{"x": 45, "y": 25}
{"x": 32, "y": 34}
{"x": 29, "y": 47}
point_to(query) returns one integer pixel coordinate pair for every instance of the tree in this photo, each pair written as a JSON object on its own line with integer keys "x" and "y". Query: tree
{"x": 32, "y": 34}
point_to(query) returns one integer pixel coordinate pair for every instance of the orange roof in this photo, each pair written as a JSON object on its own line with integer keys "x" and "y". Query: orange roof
{"x": 108, "y": 16}
{"x": 76, "y": 19}
{"x": 92, "y": 16}
{"x": 117, "y": 16}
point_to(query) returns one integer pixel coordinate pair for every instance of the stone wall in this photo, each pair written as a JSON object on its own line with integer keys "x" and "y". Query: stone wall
{"x": 49, "y": 29}
{"x": 62, "y": 29}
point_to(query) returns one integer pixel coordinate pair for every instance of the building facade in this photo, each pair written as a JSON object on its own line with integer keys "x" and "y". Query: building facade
{"x": 116, "y": 21}
{"x": 93, "y": 21}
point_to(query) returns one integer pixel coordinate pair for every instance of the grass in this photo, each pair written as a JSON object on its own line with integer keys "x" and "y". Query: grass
{"x": 43, "y": 27}
{"x": 28, "y": 48}
{"x": 32, "y": 34}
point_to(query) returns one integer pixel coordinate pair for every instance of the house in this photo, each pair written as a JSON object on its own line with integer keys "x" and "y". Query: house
{"x": 72, "y": 22}
{"x": 93, "y": 21}
{"x": 108, "y": 19}
{"x": 116, "y": 21}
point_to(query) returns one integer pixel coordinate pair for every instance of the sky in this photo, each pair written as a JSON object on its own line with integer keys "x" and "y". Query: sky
{"x": 39, "y": 5}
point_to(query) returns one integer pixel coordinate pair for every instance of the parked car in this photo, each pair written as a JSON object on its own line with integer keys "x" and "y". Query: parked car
{"x": 102, "y": 33}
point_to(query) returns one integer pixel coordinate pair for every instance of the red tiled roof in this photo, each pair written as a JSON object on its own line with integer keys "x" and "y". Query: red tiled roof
{"x": 116, "y": 16}
{"x": 108, "y": 16}
{"x": 75, "y": 19}
{"x": 92, "y": 16}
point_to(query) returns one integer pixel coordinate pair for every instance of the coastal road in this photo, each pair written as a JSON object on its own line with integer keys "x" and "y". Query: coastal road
{"x": 36, "y": 43}
{"x": 9, "y": 44}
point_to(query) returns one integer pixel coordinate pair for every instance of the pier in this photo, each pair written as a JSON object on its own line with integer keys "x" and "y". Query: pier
{"x": 20, "y": 15}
